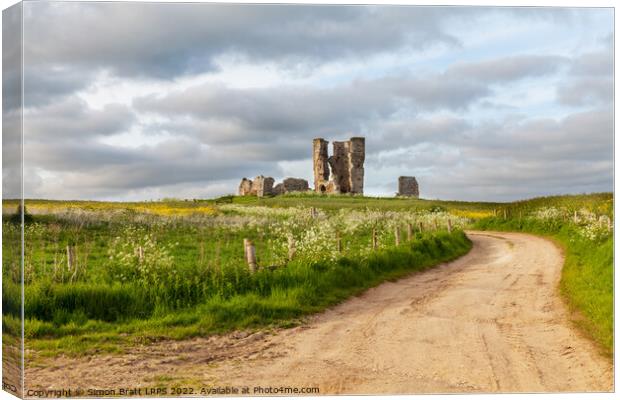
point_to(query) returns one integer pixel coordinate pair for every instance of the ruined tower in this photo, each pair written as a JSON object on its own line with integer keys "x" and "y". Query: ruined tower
{"x": 357, "y": 155}
{"x": 346, "y": 166}
{"x": 321, "y": 167}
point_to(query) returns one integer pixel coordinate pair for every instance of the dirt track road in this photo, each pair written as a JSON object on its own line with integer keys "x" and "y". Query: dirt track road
{"x": 491, "y": 321}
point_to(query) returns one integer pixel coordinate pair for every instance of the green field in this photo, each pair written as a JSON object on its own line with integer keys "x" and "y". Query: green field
{"x": 100, "y": 276}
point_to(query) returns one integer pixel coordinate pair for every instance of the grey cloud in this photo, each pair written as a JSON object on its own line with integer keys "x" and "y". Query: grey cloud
{"x": 43, "y": 85}
{"x": 598, "y": 63}
{"x": 140, "y": 40}
{"x": 137, "y": 39}
{"x": 12, "y": 43}
{"x": 581, "y": 137}
{"x": 439, "y": 91}
{"x": 286, "y": 149}
{"x": 72, "y": 119}
{"x": 507, "y": 159}
{"x": 590, "y": 80}
{"x": 510, "y": 181}
{"x": 587, "y": 91}
{"x": 437, "y": 129}
{"x": 220, "y": 115}
{"x": 508, "y": 68}
{"x": 11, "y": 102}
{"x": 11, "y": 154}
{"x": 74, "y": 156}
{"x": 93, "y": 166}
{"x": 265, "y": 113}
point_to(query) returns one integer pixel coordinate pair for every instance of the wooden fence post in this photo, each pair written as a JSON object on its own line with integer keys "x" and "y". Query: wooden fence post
{"x": 374, "y": 238}
{"x": 409, "y": 232}
{"x": 449, "y": 225}
{"x": 70, "y": 257}
{"x": 575, "y": 219}
{"x": 421, "y": 226}
{"x": 397, "y": 235}
{"x": 435, "y": 223}
{"x": 313, "y": 212}
{"x": 504, "y": 213}
{"x": 250, "y": 255}
{"x": 608, "y": 223}
{"x": 291, "y": 248}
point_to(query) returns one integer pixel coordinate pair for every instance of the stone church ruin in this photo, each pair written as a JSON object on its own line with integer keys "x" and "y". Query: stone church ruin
{"x": 343, "y": 172}
{"x": 340, "y": 173}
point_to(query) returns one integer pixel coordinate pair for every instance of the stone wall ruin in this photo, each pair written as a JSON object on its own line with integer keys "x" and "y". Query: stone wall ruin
{"x": 260, "y": 186}
{"x": 245, "y": 187}
{"x": 289, "y": 185}
{"x": 264, "y": 186}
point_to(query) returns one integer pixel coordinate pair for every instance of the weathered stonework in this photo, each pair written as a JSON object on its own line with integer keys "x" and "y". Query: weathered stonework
{"x": 357, "y": 156}
{"x": 291, "y": 185}
{"x": 339, "y": 164}
{"x": 245, "y": 187}
{"x": 260, "y": 186}
{"x": 263, "y": 185}
{"x": 408, "y": 186}
{"x": 321, "y": 166}
{"x": 346, "y": 165}
{"x": 294, "y": 185}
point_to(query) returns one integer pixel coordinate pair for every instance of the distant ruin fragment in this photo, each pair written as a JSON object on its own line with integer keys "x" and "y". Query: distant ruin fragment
{"x": 408, "y": 186}
{"x": 245, "y": 187}
{"x": 291, "y": 185}
{"x": 264, "y": 186}
{"x": 260, "y": 186}
{"x": 343, "y": 172}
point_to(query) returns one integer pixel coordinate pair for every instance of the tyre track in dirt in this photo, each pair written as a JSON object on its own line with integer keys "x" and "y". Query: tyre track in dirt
{"x": 491, "y": 321}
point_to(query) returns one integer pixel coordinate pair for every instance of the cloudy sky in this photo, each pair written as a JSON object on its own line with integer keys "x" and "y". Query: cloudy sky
{"x": 131, "y": 101}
